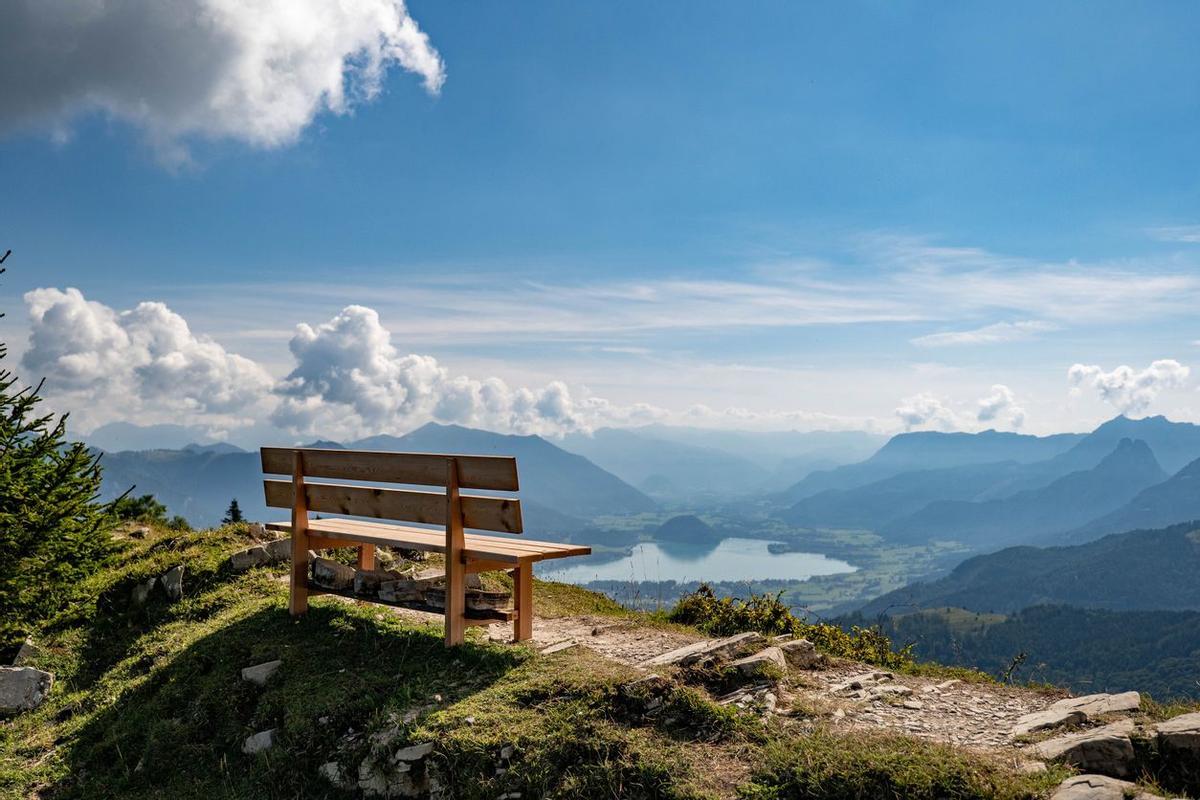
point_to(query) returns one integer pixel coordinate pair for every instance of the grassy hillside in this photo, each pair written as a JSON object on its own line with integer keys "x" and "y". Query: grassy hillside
{"x": 149, "y": 703}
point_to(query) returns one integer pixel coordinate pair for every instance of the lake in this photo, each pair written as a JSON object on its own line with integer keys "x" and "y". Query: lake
{"x": 731, "y": 560}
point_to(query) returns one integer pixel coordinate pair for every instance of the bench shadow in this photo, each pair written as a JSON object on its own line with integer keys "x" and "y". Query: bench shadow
{"x": 178, "y": 724}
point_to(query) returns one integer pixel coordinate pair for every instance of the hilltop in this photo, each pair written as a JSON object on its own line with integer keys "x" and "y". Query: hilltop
{"x": 150, "y": 700}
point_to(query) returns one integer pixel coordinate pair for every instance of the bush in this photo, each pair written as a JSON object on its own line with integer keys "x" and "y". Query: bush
{"x": 768, "y": 614}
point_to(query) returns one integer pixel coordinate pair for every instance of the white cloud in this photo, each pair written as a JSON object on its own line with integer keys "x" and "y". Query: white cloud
{"x": 350, "y": 379}
{"x": 144, "y": 363}
{"x": 1128, "y": 390}
{"x": 1187, "y": 234}
{"x": 989, "y": 334}
{"x": 256, "y": 71}
{"x": 927, "y": 411}
{"x": 1000, "y": 404}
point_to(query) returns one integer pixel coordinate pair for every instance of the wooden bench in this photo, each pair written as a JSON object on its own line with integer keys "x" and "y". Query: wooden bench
{"x": 455, "y": 512}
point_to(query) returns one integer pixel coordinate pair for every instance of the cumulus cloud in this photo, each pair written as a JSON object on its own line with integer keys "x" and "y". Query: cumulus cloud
{"x": 1000, "y": 404}
{"x": 350, "y": 379}
{"x": 988, "y": 334}
{"x": 257, "y": 71}
{"x": 1128, "y": 390}
{"x": 927, "y": 411}
{"x": 146, "y": 361}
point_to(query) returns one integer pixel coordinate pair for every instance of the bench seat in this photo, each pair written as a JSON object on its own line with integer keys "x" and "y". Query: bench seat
{"x": 476, "y": 547}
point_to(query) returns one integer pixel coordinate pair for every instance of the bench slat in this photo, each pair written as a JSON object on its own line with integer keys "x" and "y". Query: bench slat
{"x": 421, "y": 469}
{"x": 482, "y": 513}
{"x": 477, "y": 546}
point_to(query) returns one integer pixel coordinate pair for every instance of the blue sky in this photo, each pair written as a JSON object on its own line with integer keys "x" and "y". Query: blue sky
{"x": 793, "y": 215}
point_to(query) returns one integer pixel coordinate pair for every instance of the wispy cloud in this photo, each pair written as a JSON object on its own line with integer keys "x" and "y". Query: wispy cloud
{"x": 1189, "y": 234}
{"x": 995, "y": 333}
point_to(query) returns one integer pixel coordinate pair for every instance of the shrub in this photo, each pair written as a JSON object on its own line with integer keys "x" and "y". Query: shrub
{"x": 768, "y": 614}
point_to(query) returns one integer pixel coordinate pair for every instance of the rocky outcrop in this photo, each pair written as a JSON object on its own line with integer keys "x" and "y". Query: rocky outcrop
{"x": 1107, "y": 750}
{"x": 1048, "y": 719}
{"x": 1077, "y": 711}
{"x": 1099, "y": 787}
{"x": 768, "y": 663}
{"x": 172, "y": 582}
{"x": 800, "y": 653}
{"x": 708, "y": 651}
{"x": 23, "y": 689}
{"x": 1181, "y": 736}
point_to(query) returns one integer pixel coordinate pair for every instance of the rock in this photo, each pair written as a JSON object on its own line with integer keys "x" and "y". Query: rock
{"x": 892, "y": 689}
{"x": 1181, "y": 733}
{"x": 23, "y": 689}
{"x": 558, "y": 647}
{"x": 1098, "y": 787}
{"x": 770, "y": 702}
{"x": 702, "y": 651}
{"x": 332, "y": 771}
{"x": 863, "y": 681}
{"x": 332, "y": 574}
{"x": 1106, "y": 750}
{"x": 414, "y": 752}
{"x": 141, "y": 591}
{"x": 140, "y": 532}
{"x": 172, "y": 582}
{"x": 1046, "y": 719}
{"x": 27, "y": 653}
{"x": 1093, "y": 705}
{"x": 368, "y": 581}
{"x": 800, "y": 653}
{"x": 249, "y": 558}
{"x": 259, "y": 674}
{"x": 257, "y": 530}
{"x": 913, "y": 705}
{"x": 263, "y": 740}
{"x": 279, "y": 550}
{"x": 402, "y": 591}
{"x": 768, "y": 663}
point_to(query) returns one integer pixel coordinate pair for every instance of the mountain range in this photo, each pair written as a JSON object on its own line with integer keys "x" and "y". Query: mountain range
{"x": 559, "y": 490}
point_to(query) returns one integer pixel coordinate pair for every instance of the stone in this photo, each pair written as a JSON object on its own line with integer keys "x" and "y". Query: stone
{"x": 863, "y": 681}
{"x": 1098, "y": 787}
{"x": 140, "y": 532}
{"x": 279, "y": 550}
{"x": 402, "y": 591}
{"x": 414, "y": 752}
{"x": 892, "y": 689}
{"x": 368, "y": 581}
{"x": 257, "y": 530}
{"x": 1047, "y": 719}
{"x": 141, "y": 591}
{"x": 767, "y": 663}
{"x": 249, "y": 558}
{"x": 1093, "y": 705}
{"x": 913, "y": 705}
{"x": 263, "y": 740}
{"x": 1181, "y": 733}
{"x": 770, "y": 702}
{"x": 259, "y": 674}
{"x": 27, "y": 653}
{"x": 332, "y": 771}
{"x": 332, "y": 574}
{"x": 800, "y": 653}
{"x": 23, "y": 688}
{"x": 172, "y": 582}
{"x": 710, "y": 649}
{"x": 1107, "y": 750}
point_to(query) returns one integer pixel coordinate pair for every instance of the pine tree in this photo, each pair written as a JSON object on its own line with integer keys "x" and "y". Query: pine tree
{"x": 233, "y": 513}
{"x": 53, "y": 530}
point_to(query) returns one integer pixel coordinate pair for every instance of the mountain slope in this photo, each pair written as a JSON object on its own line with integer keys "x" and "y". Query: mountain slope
{"x": 1174, "y": 500}
{"x": 878, "y": 503}
{"x": 1026, "y": 516}
{"x": 927, "y": 450}
{"x": 1144, "y": 569}
{"x": 686, "y": 470}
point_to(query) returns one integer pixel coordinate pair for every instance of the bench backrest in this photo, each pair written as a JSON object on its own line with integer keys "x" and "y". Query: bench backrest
{"x": 450, "y": 471}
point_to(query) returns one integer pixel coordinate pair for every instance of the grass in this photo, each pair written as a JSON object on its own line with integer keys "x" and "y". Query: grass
{"x": 149, "y": 702}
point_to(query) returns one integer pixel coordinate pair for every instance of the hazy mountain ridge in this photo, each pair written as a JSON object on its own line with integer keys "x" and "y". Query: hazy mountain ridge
{"x": 1137, "y": 570}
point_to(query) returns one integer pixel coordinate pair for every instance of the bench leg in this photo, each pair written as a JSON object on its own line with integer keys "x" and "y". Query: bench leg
{"x": 366, "y": 556}
{"x": 523, "y": 601}
{"x": 298, "y": 601}
{"x": 456, "y": 603}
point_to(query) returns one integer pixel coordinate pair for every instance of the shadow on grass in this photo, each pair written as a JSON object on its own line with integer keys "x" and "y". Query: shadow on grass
{"x": 182, "y": 709}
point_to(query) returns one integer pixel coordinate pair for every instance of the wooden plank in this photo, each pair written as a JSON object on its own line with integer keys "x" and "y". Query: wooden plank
{"x": 523, "y": 599}
{"x": 298, "y": 594}
{"x": 456, "y": 584}
{"x": 478, "y": 546}
{"x": 482, "y": 513}
{"x": 422, "y": 469}
{"x": 366, "y": 556}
